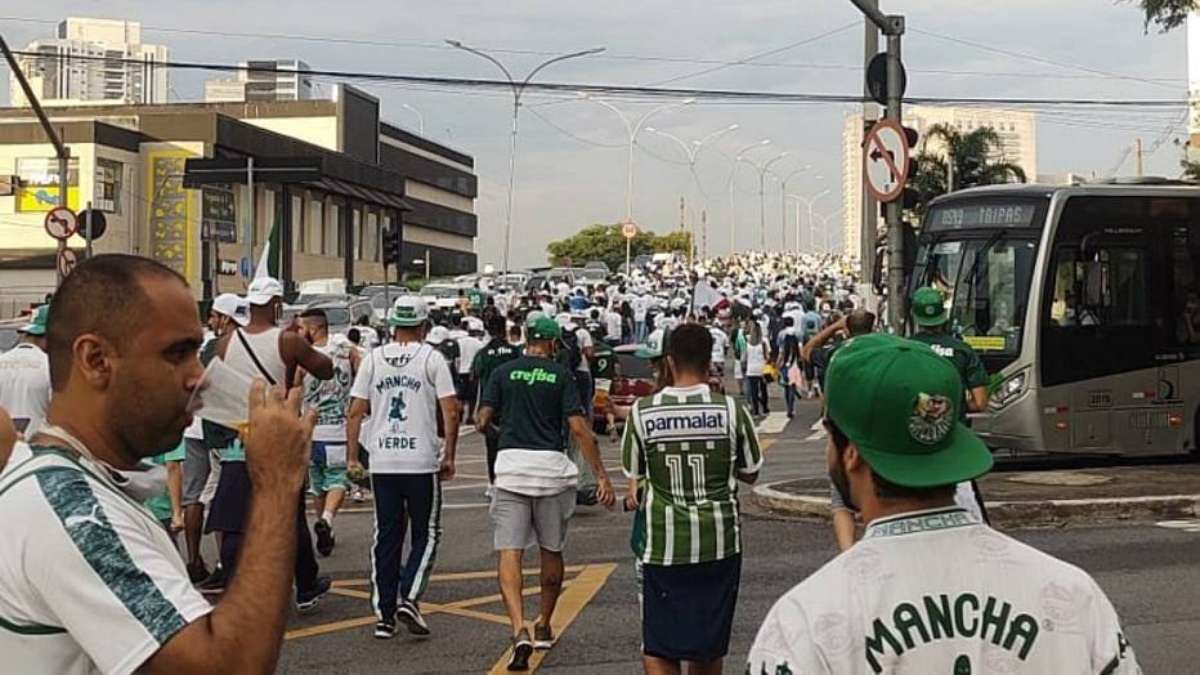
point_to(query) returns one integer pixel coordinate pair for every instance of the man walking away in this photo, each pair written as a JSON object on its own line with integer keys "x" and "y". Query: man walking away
{"x": 469, "y": 345}
{"x": 536, "y": 398}
{"x": 331, "y": 399}
{"x": 930, "y": 588}
{"x": 692, "y": 548}
{"x": 25, "y": 376}
{"x": 494, "y": 354}
{"x": 402, "y": 385}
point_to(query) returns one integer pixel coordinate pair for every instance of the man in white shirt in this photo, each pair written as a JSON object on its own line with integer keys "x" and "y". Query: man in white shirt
{"x": 402, "y": 386}
{"x": 641, "y": 305}
{"x": 613, "y": 325}
{"x": 91, "y": 582}
{"x": 25, "y": 376}
{"x": 930, "y": 588}
{"x": 469, "y": 345}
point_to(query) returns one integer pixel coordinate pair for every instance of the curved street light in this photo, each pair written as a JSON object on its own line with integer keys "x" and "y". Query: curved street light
{"x": 808, "y": 201}
{"x": 783, "y": 205}
{"x": 762, "y": 191}
{"x": 420, "y": 117}
{"x": 736, "y": 162}
{"x": 518, "y": 88}
{"x": 692, "y": 151}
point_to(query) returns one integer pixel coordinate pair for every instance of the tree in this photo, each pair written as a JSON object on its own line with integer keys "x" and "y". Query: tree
{"x": 1167, "y": 14}
{"x": 606, "y": 243}
{"x": 965, "y": 163}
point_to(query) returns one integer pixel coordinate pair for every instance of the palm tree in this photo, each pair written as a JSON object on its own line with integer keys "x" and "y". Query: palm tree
{"x": 965, "y": 162}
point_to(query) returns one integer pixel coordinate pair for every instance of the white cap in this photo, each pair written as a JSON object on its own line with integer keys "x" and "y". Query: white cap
{"x": 408, "y": 311}
{"x": 263, "y": 290}
{"x": 563, "y": 320}
{"x": 232, "y": 306}
{"x": 437, "y": 335}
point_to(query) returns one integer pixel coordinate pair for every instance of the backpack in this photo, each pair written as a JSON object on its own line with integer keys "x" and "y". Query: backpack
{"x": 569, "y": 353}
{"x": 449, "y": 350}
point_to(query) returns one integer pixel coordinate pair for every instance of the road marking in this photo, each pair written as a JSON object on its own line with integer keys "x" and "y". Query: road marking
{"x": 458, "y": 576}
{"x": 773, "y": 423}
{"x": 1192, "y": 526}
{"x": 816, "y": 435}
{"x": 570, "y": 604}
{"x": 765, "y": 445}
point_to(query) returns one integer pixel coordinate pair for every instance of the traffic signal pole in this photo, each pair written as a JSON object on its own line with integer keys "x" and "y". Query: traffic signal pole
{"x": 893, "y": 28}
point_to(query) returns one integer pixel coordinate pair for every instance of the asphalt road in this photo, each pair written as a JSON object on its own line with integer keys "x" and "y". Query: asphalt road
{"x": 1149, "y": 571}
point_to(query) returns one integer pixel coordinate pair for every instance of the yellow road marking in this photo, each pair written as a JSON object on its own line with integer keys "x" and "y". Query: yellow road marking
{"x": 328, "y": 628}
{"x": 766, "y": 445}
{"x": 458, "y": 576}
{"x": 570, "y": 604}
{"x": 362, "y": 595}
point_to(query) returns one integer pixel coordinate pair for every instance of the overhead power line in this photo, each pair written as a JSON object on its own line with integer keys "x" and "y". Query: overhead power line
{"x": 710, "y": 95}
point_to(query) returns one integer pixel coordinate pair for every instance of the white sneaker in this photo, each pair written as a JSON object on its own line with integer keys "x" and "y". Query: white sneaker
{"x": 818, "y": 425}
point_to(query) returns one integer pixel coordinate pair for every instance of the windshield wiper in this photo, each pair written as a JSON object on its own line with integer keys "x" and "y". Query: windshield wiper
{"x": 979, "y": 256}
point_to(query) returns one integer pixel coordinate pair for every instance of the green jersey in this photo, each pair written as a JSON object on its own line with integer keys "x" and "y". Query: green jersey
{"x": 494, "y": 354}
{"x": 689, "y": 445}
{"x": 160, "y": 505}
{"x": 959, "y": 353}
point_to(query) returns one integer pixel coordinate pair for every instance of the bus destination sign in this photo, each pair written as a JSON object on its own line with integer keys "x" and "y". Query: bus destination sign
{"x": 981, "y": 215}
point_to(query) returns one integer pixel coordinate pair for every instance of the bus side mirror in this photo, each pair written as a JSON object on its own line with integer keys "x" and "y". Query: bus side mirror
{"x": 1093, "y": 283}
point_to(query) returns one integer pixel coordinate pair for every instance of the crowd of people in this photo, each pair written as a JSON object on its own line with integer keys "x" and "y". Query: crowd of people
{"x": 130, "y": 426}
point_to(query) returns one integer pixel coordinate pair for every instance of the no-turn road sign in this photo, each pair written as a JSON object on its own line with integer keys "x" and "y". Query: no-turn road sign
{"x": 885, "y": 160}
{"x": 61, "y": 223}
{"x": 67, "y": 260}
{"x": 629, "y": 230}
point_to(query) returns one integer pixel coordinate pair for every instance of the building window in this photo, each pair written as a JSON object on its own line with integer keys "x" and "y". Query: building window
{"x": 371, "y": 238}
{"x": 107, "y": 196}
{"x": 333, "y": 231}
{"x": 264, "y": 225}
{"x": 356, "y": 223}
{"x": 316, "y": 227}
{"x": 297, "y": 217}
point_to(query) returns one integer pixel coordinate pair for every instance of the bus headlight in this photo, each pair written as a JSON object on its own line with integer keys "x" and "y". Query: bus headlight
{"x": 1008, "y": 391}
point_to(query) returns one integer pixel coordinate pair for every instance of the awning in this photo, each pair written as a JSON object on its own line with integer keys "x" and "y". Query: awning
{"x": 365, "y": 194}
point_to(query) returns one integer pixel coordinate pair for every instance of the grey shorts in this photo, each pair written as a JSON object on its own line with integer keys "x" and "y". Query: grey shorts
{"x": 520, "y": 521}
{"x": 196, "y": 467}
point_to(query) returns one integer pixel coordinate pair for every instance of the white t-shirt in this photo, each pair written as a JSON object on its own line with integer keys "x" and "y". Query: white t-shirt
{"x": 468, "y": 347}
{"x": 641, "y": 305}
{"x": 720, "y": 344}
{"x": 756, "y": 359}
{"x": 403, "y": 382}
{"x": 25, "y": 385}
{"x": 612, "y": 325}
{"x": 937, "y": 591}
{"x": 585, "y": 342}
{"x": 331, "y": 398}
{"x": 88, "y": 574}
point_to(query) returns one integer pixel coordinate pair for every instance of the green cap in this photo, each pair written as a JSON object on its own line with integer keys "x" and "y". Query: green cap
{"x": 900, "y": 403}
{"x": 37, "y": 324}
{"x": 929, "y": 307}
{"x": 655, "y": 345}
{"x": 542, "y": 328}
{"x": 408, "y": 311}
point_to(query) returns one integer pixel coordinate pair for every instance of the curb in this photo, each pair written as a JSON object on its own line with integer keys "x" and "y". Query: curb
{"x": 1045, "y": 513}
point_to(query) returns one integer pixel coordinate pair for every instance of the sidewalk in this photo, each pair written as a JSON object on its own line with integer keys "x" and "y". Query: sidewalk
{"x": 1040, "y": 498}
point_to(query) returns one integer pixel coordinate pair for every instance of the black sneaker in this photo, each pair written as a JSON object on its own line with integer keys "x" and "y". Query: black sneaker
{"x": 410, "y": 615}
{"x": 325, "y": 541}
{"x": 521, "y": 651}
{"x": 214, "y": 584}
{"x": 306, "y": 601}
{"x": 385, "y": 629}
{"x": 543, "y": 636}
{"x": 197, "y": 572}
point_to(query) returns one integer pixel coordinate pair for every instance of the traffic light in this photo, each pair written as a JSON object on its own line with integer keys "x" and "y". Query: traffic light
{"x": 391, "y": 246}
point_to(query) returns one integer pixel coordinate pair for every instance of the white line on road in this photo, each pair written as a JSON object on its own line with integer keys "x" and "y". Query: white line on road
{"x": 1192, "y": 526}
{"x": 774, "y": 423}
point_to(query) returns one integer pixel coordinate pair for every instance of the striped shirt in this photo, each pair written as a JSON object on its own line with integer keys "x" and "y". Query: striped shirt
{"x": 689, "y": 445}
{"x": 89, "y": 580}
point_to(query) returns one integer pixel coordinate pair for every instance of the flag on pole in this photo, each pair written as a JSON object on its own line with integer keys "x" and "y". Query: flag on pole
{"x": 269, "y": 260}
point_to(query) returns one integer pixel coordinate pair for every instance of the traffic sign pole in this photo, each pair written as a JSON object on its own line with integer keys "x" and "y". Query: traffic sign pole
{"x": 897, "y": 300}
{"x": 87, "y": 231}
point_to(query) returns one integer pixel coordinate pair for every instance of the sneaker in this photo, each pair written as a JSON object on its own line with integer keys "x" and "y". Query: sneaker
{"x": 521, "y": 651}
{"x": 197, "y": 572}
{"x": 543, "y": 637}
{"x": 357, "y": 495}
{"x": 306, "y": 601}
{"x": 325, "y": 541}
{"x": 385, "y": 629}
{"x": 410, "y": 615}
{"x": 214, "y": 584}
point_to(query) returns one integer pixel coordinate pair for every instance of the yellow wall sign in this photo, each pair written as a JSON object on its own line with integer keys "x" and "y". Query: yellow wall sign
{"x": 40, "y": 199}
{"x": 170, "y": 216}
{"x": 985, "y": 343}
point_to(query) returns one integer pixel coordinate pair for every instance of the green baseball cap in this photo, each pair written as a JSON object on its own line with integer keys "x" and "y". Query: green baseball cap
{"x": 542, "y": 328}
{"x": 929, "y": 307}
{"x": 900, "y": 403}
{"x": 655, "y": 345}
{"x": 408, "y": 311}
{"x": 37, "y": 323}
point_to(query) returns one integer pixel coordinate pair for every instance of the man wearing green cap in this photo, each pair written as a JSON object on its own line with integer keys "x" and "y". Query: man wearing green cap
{"x": 536, "y": 398}
{"x": 25, "y": 376}
{"x": 930, "y": 588}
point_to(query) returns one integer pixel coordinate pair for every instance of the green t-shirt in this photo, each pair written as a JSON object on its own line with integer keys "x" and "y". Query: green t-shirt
{"x": 535, "y": 395}
{"x": 160, "y": 506}
{"x": 603, "y": 363}
{"x": 961, "y": 355}
{"x": 495, "y": 353}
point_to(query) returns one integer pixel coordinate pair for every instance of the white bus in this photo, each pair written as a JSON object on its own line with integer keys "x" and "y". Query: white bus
{"x": 1083, "y": 302}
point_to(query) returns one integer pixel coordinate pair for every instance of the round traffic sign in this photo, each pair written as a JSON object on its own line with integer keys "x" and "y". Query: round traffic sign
{"x": 885, "y": 160}
{"x": 629, "y": 230}
{"x": 99, "y": 223}
{"x": 877, "y": 78}
{"x": 61, "y": 223}
{"x": 67, "y": 259}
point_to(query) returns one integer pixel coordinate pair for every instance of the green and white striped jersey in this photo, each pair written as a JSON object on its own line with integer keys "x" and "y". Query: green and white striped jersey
{"x": 689, "y": 445}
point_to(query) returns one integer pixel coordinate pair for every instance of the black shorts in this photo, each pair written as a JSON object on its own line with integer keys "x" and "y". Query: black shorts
{"x": 465, "y": 385}
{"x": 688, "y": 610}
{"x": 231, "y": 503}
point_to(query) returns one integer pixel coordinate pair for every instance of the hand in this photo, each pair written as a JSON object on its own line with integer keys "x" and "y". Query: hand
{"x": 604, "y": 491}
{"x": 446, "y": 472}
{"x": 631, "y": 502}
{"x": 277, "y": 438}
{"x": 177, "y": 521}
{"x": 355, "y": 471}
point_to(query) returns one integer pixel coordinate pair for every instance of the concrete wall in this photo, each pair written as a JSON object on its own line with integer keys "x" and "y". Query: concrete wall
{"x": 322, "y": 131}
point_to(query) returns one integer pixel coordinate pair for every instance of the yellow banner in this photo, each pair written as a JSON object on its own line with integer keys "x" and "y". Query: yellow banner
{"x": 985, "y": 343}
{"x": 170, "y": 214}
{"x": 40, "y": 199}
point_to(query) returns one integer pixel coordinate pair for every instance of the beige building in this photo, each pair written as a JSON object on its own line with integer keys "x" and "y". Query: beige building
{"x": 130, "y": 162}
{"x": 1018, "y": 137}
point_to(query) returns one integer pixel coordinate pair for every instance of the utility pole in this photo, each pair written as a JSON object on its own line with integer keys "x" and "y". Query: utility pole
{"x": 868, "y": 207}
{"x": 1138, "y": 148}
{"x": 704, "y": 234}
{"x": 893, "y": 28}
{"x": 251, "y": 224}
{"x": 60, "y": 149}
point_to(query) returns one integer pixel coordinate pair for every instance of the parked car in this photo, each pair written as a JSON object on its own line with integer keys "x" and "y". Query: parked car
{"x": 441, "y": 294}
{"x": 342, "y": 315}
{"x": 633, "y": 378}
{"x": 380, "y": 300}
{"x": 591, "y": 276}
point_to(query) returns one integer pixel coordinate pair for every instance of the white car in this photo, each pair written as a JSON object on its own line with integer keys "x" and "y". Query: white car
{"x": 444, "y": 296}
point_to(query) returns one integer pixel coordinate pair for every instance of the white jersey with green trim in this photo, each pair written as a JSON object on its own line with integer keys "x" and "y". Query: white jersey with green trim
{"x": 89, "y": 580}
{"x": 938, "y": 592}
{"x": 331, "y": 398}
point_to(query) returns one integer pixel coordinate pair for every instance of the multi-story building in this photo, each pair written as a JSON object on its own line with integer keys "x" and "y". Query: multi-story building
{"x": 93, "y": 60}
{"x": 1018, "y": 144}
{"x": 263, "y": 80}
{"x": 130, "y": 162}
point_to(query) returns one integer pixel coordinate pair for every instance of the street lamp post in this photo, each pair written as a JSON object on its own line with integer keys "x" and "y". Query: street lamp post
{"x": 420, "y": 117}
{"x": 736, "y": 162}
{"x": 692, "y": 151}
{"x": 783, "y": 206}
{"x": 762, "y": 194}
{"x": 808, "y": 202}
{"x": 518, "y": 88}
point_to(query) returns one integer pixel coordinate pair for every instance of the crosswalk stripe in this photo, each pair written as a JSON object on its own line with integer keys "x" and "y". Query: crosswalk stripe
{"x": 1192, "y": 526}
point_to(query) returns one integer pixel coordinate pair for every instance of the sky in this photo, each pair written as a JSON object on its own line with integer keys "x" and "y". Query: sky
{"x": 572, "y": 153}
